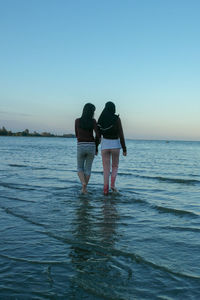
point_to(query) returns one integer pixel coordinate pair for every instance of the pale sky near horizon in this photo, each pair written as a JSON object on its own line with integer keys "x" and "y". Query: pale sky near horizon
{"x": 144, "y": 55}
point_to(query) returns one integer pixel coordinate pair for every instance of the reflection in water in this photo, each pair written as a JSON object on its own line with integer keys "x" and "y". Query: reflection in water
{"x": 83, "y": 231}
{"x": 91, "y": 255}
{"x": 109, "y": 223}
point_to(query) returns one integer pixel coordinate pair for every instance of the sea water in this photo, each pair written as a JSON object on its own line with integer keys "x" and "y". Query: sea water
{"x": 142, "y": 243}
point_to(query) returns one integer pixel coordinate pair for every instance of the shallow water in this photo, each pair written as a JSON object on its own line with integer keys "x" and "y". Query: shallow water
{"x": 143, "y": 243}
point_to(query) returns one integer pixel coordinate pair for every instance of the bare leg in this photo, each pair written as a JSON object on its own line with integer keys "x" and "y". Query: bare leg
{"x": 82, "y": 178}
{"x": 106, "y": 169}
{"x": 88, "y": 165}
{"x": 87, "y": 178}
{"x": 115, "y": 163}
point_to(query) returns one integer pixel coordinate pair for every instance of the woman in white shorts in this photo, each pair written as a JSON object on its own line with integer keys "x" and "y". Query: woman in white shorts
{"x": 113, "y": 140}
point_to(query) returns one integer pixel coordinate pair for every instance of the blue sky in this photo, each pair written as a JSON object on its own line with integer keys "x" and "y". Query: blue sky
{"x": 144, "y": 55}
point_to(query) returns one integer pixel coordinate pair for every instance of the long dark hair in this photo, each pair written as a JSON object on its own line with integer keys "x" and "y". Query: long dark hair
{"x": 108, "y": 116}
{"x": 86, "y": 120}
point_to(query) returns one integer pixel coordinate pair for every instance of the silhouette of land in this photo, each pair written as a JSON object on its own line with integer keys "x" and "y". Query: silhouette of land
{"x": 5, "y": 132}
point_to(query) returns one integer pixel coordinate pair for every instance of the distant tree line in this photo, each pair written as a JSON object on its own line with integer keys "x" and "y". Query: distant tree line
{"x": 5, "y": 132}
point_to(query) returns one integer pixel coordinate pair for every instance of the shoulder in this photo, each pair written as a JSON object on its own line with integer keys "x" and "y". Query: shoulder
{"x": 94, "y": 121}
{"x": 117, "y": 119}
{"x": 77, "y": 121}
{"x": 119, "y": 123}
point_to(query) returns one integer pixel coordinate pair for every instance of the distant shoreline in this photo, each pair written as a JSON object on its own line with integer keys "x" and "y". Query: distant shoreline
{"x": 70, "y": 136}
{"x": 26, "y": 132}
{"x": 5, "y": 132}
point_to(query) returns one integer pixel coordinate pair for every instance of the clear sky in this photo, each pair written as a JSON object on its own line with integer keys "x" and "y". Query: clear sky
{"x": 144, "y": 55}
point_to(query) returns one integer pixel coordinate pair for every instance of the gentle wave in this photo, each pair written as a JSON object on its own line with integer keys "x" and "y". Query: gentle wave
{"x": 71, "y": 190}
{"x": 99, "y": 249}
{"x": 161, "y": 178}
{"x": 27, "y": 166}
{"x": 40, "y": 168}
{"x": 16, "y": 186}
{"x": 163, "y": 209}
{"x": 179, "y": 228}
{"x": 172, "y": 180}
{"x": 135, "y": 257}
{"x": 16, "y": 199}
{"x": 129, "y": 174}
{"x": 27, "y": 187}
{"x": 17, "y": 166}
{"x": 23, "y": 217}
{"x": 178, "y": 180}
{"x": 175, "y": 211}
{"x": 31, "y": 261}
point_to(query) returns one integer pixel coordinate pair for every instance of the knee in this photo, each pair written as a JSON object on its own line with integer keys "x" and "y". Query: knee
{"x": 87, "y": 173}
{"x": 115, "y": 165}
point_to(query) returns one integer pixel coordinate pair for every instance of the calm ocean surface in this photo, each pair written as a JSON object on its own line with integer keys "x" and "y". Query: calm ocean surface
{"x": 143, "y": 243}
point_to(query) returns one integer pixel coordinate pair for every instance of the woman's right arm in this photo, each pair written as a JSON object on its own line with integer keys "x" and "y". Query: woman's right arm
{"x": 97, "y": 135}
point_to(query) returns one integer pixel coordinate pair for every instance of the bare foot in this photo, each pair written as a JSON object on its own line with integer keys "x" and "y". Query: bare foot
{"x": 114, "y": 190}
{"x": 84, "y": 189}
{"x": 84, "y": 192}
{"x": 106, "y": 190}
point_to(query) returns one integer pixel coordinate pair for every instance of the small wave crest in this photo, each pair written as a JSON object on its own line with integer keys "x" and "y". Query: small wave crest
{"x": 16, "y": 186}
{"x": 31, "y": 261}
{"x": 175, "y": 211}
{"x": 172, "y": 180}
{"x": 17, "y": 166}
{"x": 17, "y": 199}
{"x": 161, "y": 178}
{"x": 27, "y": 166}
{"x": 178, "y": 180}
{"x": 181, "y": 228}
{"x": 138, "y": 259}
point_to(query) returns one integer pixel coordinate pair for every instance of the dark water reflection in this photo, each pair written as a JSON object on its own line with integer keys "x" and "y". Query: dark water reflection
{"x": 109, "y": 226}
{"x": 95, "y": 234}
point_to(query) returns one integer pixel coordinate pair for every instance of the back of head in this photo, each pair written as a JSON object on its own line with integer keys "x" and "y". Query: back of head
{"x": 86, "y": 120}
{"x": 110, "y": 107}
{"x": 107, "y": 117}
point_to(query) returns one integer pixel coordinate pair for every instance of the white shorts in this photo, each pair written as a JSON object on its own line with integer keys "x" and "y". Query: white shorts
{"x": 110, "y": 144}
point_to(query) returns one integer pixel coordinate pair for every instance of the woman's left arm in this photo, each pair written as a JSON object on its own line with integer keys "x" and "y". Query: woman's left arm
{"x": 121, "y": 137}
